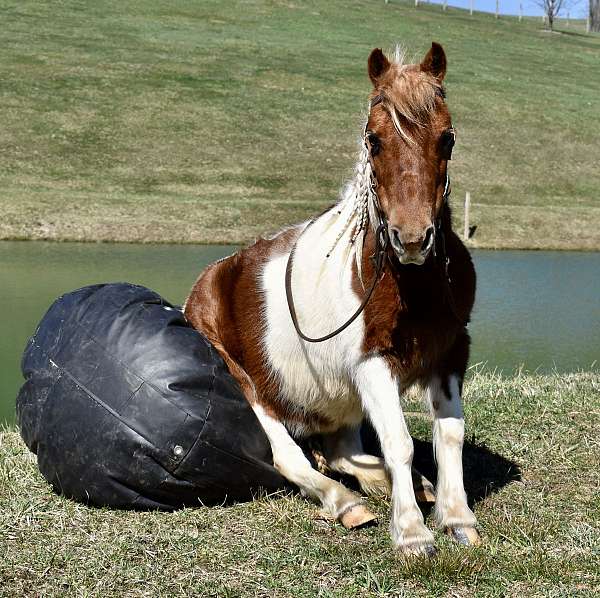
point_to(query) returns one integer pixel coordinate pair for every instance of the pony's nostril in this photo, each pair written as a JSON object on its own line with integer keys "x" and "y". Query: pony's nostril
{"x": 396, "y": 242}
{"x": 428, "y": 239}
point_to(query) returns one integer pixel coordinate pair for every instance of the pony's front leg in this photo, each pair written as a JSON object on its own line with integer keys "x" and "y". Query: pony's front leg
{"x": 288, "y": 458}
{"x": 451, "y": 509}
{"x": 344, "y": 453}
{"x": 378, "y": 390}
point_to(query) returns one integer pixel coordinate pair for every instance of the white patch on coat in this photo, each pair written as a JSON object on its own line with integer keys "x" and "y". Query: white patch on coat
{"x": 315, "y": 377}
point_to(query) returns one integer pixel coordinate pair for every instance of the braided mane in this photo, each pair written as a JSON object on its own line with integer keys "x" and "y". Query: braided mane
{"x": 358, "y": 202}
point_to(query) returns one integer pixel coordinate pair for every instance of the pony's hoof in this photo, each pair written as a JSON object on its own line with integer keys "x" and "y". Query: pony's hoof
{"x": 419, "y": 550}
{"x": 357, "y": 516}
{"x": 467, "y": 536}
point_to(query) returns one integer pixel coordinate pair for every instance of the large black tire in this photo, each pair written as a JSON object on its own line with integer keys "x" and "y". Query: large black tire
{"x": 128, "y": 406}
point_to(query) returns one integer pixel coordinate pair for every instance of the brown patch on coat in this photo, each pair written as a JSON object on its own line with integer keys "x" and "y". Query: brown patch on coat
{"x": 226, "y": 304}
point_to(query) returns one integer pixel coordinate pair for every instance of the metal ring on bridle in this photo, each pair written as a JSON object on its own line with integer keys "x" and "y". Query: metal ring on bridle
{"x": 382, "y": 236}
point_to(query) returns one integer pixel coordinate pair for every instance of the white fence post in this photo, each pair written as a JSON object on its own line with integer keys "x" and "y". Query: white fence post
{"x": 467, "y": 214}
{"x": 471, "y": 7}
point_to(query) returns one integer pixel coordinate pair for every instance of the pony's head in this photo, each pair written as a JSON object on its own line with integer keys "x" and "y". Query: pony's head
{"x": 410, "y": 137}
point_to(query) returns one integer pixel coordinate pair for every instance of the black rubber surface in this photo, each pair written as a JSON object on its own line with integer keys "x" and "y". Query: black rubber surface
{"x": 127, "y": 406}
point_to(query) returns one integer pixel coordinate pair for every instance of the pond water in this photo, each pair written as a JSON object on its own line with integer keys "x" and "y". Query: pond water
{"x": 537, "y": 309}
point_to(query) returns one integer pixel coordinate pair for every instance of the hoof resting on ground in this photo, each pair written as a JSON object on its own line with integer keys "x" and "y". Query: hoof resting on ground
{"x": 416, "y": 550}
{"x": 467, "y": 536}
{"x": 357, "y": 516}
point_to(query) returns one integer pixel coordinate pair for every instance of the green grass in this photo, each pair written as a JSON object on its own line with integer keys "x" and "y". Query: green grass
{"x": 531, "y": 464}
{"x": 217, "y": 121}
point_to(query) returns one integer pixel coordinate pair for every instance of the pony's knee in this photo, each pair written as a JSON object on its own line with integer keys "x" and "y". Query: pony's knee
{"x": 449, "y": 431}
{"x": 291, "y": 465}
{"x": 399, "y": 453}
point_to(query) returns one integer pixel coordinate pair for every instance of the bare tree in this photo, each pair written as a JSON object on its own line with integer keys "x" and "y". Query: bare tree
{"x": 551, "y": 9}
{"x": 594, "y": 16}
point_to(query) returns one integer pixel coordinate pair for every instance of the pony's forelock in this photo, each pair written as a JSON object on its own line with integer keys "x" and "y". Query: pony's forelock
{"x": 409, "y": 91}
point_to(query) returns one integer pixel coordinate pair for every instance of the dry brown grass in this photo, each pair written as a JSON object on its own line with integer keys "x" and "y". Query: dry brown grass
{"x": 531, "y": 467}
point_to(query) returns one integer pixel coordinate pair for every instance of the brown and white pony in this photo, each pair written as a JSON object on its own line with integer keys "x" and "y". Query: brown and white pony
{"x": 412, "y": 329}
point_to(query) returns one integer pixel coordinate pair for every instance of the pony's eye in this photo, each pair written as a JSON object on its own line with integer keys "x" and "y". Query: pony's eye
{"x": 374, "y": 143}
{"x": 447, "y": 143}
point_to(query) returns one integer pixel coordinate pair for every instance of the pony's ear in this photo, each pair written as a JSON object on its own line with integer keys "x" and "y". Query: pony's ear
{"x": 435, "y": 62}
{"x": 378, "y": 65}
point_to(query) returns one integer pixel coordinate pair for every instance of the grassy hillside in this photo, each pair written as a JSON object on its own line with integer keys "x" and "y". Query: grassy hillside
{"x": 216, "y": 121}
{"x": 531, "y": 468}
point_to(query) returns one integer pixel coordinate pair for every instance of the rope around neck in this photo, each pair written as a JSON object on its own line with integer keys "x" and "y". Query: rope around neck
{"x": 381, "y": 246}
{"x": 381, "y": 240}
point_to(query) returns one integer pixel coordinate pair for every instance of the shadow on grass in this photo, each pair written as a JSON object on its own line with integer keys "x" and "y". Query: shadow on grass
{"x": 485, "y": 472}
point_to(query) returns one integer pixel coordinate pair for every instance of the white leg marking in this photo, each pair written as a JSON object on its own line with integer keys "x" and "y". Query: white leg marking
{"x": 345, "y": 454}
{"x": 378, "y": 390}
{"x": 448, "y": 433}
{"x": 290, "y": 461}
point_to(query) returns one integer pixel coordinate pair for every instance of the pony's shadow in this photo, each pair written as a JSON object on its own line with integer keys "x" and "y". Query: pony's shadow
{"x": 484, "y": 471}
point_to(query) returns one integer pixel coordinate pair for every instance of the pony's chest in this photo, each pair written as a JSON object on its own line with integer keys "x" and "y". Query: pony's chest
{"x": 317, "y": 383}
{"x": 314, "y": 377}
{"x": 414, "y": 332}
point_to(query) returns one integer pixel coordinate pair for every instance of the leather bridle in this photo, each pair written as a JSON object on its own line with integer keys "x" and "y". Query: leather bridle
{"x": 382, "y": 241}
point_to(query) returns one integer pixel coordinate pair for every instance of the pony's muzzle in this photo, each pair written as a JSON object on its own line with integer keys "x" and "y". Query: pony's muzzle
{"x": 412, "y": 251}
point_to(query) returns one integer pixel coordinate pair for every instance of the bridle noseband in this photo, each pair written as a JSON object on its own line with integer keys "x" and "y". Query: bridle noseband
{"x": 382, "y": 241}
